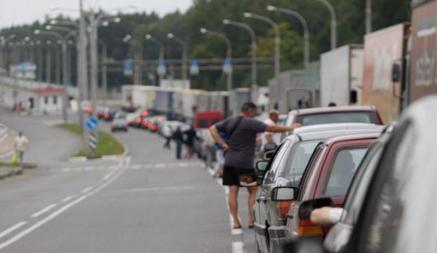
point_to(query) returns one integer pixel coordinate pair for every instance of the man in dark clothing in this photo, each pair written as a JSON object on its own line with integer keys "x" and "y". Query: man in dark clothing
{"x": 190, "y": 136}
{"x": 178, "y": 137}
{"x": 240, "y": 154}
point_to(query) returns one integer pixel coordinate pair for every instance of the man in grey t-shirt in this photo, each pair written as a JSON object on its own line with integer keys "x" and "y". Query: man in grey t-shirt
{"x": 240, "y": 154}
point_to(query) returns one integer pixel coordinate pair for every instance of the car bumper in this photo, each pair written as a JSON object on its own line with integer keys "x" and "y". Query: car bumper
{"x": 278, "y": 235}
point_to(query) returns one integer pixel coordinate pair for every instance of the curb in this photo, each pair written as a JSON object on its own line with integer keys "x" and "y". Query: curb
{"x": 9, "y": 172}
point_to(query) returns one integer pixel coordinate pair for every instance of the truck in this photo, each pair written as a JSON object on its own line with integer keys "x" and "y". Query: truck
{"x": 341, "y": 73}
{"x": 385, "y": 81}
{"x": 138, "y": 96}
{"x": 423, "y": 60}
{"x": 286, "y": 96}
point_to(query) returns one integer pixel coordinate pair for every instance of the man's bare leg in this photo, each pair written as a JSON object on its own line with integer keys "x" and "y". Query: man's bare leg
{"x": 233, "y": 204}
{"x": 251, "y": 203}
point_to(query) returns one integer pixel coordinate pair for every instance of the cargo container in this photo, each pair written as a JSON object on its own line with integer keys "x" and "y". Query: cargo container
{"x": 138, "y": 96}
{"x": 163, "y": 102}
{"x": 291, "y": 89}
{"x": 384, "y": 76}
{"x": 238, "y": 97}
{"x": 423, "y": 61}
{"x": 341, "y": 72}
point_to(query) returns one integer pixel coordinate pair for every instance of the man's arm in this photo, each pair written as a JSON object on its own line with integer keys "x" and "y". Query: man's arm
{"x": 217, "y": 138}
{"x": 278, "y": 129}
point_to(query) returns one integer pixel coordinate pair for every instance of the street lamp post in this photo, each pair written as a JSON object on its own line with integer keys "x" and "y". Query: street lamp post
{"x": 228, "y": 55}
{"x": 150, "y": 38}
{"x": 48, "y": 62}
{"x": 368, "y": 16}
{"x": 184, "y": 54}
{"x": 277, "y": 44}
{"x": 333, "y": 23}
{"x": 304, "y": 23}
{"x": 253, "y": 51}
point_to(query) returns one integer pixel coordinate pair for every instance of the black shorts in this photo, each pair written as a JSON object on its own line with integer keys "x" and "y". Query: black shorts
{"x": 231, "y": 175}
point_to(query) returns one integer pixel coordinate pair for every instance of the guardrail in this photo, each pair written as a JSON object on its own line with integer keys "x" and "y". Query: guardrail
{"x": 30, "y": 85}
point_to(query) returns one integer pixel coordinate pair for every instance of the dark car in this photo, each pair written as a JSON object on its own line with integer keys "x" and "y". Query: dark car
{"x": 329, "y": 174}
{"x": 398, "y": 209}
{"x": 285, "y": 169}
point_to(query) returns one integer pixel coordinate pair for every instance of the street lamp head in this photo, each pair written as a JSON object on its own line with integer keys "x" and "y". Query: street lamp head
{"x": 53, "y": 22}
{"x": 170, "y": 35}
{"x": 48, "y": 42}
{"x": 117, "y": 20}
{"x": 203, "y": 30}
{"x": 127, "y": 38}
{"x": 37, "y": 31}
{"x": 247, "y": 15}
{"x": 49, "y": 27}
{"x": 271, "y": 8}
{"x": 105, "y": 23}
{"x": 27, "y": 38}
{"x": 226, "y": 21}
{"x": 148, "y": 37}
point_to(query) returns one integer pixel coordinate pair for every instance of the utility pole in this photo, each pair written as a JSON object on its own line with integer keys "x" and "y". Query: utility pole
{"x": 94, "y": 60}
{"x": 48, "y": 62}
{"x": 104, "y": 74}
{"x": 368, "y": 16}
{"x": 82, "y": 66}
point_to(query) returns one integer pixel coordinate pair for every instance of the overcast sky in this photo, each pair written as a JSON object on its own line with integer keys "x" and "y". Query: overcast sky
{"x": 18, "y": 12}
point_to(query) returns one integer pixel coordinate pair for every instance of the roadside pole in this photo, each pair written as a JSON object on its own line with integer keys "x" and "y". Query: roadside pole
{"x": 82, "y": 68}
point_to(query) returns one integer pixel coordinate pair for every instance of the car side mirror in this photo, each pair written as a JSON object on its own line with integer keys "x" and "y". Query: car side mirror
{"x": 270, "y": 147}
{"x": 262, "y": 167}
{"x": 304, "y": 245}
{"x": 307, "y": 207}
{"x": 269, "y": 155}
{"x": 284, "y": 193}
{"x": 396, "y": 72}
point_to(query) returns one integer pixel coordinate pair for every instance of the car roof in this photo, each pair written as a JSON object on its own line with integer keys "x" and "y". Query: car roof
{"x": 333, "y": 109}
{"x": 349, "y": 137}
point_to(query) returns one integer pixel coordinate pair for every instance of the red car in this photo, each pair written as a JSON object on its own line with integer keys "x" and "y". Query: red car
{"x": 328, "y": 174}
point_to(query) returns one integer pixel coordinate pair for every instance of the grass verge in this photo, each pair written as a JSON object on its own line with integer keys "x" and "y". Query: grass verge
{"x": 107, "y": 144}
{"x": 8, "y": 164}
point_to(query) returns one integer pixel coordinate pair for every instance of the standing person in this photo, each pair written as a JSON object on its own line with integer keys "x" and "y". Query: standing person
{"x": 239, "y": 152}
{"x": 269, "y": 137}
{"x": 20, "y": 145}
{"x": 166, "y": 132}
{"x": 190, "y": 136}
{"x": 178, "y": 137}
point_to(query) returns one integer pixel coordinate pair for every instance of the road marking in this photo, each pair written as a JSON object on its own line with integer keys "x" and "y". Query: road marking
{"x": 108, "y": 176}
{"x": 58, "y": 212}
{"x": 88, "y": 168}
{"x": 87, "y": 190}
{"x": 171, "y": 188}
{"x": 160, "y": 165}
{"x": 237, "y": 247}
{"x": 136, "y": 167}
{"x": 66, "y": 199}
{"x": 12, "y": 229}
{"x": 44, "y": 210}
{"x": 65, "y": 169}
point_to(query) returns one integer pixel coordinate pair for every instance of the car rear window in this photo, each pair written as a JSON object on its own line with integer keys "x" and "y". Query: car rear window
{"x": 344, "y": 167}
{"x": 297, "y": 161}
{"x": 340, "y": 117}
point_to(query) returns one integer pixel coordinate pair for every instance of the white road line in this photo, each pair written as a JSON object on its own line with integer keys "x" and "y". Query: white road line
{"x": 136, "y": 167}
{"x": 88, "y": 168}
{"x": 12, "y": 229}
{"x": 58, "y": 212}
{"x": 66, "y": 199}
{"x": 44, "y": 210}
{"x": 65, "y": 169}
{"x": 87, "y": 190}
{"x": 237, "y": 247}
{"x": 159, "y": 165}
{"x": 108, "y": 175}
{"x": 183, "y": 165}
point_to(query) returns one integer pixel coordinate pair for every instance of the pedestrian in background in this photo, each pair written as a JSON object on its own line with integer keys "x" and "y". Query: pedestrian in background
{"x": 20, "y": 145}
{"x": 268, "y": 137}
{"x": 166, "y": 132}
{"x": 190, "y": 136}
{"x": 178, "y": 137}
{"x": 239, "y": 150}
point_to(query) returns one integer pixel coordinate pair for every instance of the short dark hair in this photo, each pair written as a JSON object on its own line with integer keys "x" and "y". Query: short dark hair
{"x": 248, "y": 107}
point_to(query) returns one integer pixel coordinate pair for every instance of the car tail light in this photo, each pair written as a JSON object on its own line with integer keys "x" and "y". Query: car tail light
{"x": 307, "y": 228}
{"x": 284, "y": 207}
{"x": 146, "y": 124}
{"x": 145, "y": 114}
{"x": 138, "y": 120}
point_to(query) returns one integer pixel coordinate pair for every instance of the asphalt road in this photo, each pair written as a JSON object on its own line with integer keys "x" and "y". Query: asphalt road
{"x": 145, "y": 202}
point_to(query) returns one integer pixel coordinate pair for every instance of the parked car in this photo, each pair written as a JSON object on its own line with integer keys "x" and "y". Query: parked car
{"x": 398, "y": 211}
{"x": 285, "y": 169}
{"x": 328, "y": 174}
{"x": 131, "y": 118}
{"x": 119, "y": 123}
{"x": 339, "y": 234}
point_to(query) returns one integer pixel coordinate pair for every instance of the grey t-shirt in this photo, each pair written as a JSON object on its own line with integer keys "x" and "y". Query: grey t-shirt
{"x": 241, "y": 151}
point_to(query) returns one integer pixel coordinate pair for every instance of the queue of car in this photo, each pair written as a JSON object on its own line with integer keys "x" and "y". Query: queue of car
{"x": 382, "y": 176}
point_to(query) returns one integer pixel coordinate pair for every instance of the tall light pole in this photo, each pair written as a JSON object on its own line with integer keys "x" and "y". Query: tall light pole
{"x": 333, "y": 23}
{"x": 277, "y": 44}
{"x": 5, "y": 42}
{"x": 228, "y": 55}
{"x": 368, "y": 16}
{"x": 150, "y": 38}
{"x": 253, "y": 48}
{"x": 64, "y": 46}
{"x": 82, "y": 68}
{"x": 306, "y": 33}
{"x": 184, "y": 54}
{"x": 48, "y": 62}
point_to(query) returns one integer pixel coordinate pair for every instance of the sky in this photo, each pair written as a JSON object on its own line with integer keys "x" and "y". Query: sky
{"x": 19, "y": 12}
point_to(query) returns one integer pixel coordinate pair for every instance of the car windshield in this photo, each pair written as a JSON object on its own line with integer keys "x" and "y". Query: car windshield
{"x": 297, "y": 161}
{"x": 344, "y": 167}
{"x": 338, "y": 117}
